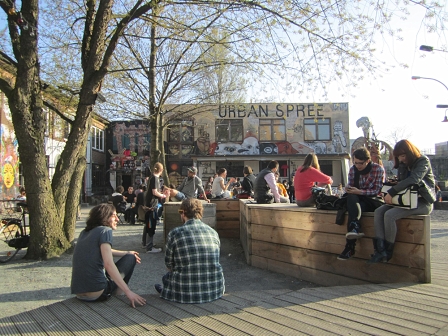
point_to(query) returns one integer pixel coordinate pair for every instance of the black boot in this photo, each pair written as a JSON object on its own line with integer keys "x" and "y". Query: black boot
{"x": 380, "y": 253}
{"x": 374, "y": 247}
{"x": 389, "y": 250}
{"x": 349, "y": 250}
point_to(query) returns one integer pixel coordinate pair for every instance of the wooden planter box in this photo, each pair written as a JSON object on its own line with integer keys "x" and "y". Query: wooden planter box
{"x": 171, "y": 217}
{"x": 305, "y": 243}
{"x": 227, "y": 217}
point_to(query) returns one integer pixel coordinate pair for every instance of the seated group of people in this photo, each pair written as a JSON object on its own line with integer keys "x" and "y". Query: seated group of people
{"x": 363, "y": 194}
{"x": 192, "y": 250}
{"x": 192, "y": 253}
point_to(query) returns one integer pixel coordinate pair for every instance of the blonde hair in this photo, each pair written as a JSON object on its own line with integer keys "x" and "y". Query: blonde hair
{"x": 158, "y": 167}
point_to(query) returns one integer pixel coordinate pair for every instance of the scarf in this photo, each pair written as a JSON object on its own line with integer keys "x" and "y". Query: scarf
{"x": 365, "y": 171}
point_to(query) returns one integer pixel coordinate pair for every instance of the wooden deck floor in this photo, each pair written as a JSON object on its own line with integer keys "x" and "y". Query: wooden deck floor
{"x": 403, "y": 309}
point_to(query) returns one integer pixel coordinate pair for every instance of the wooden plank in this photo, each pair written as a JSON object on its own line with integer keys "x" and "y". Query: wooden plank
{"x": 354, "y": 268}
{"x": 232, "y": 233}
{"x": 71, "y": 320}
{"x": 94, "y": 320}
{"x": 371, "y": 310}
{"x": 26, "y": 325}
{"x": 227, "y": 204}
{"x": 410, "y": 230}
{"x": 409, "y": 255}
{"x": 7, "y": 327}
{"x": 348, "y": 312}
{"x": 48, "y": 322}
{"x": 305, "y": 273}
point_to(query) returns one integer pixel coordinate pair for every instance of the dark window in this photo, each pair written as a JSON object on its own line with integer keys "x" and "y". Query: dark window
{"x": 229, "y": 130}
{"x": 234, "y": 168}
{"x": 180, "y": 139}
{"x": 317, "y": 129}
{"x": 326, "y": 167}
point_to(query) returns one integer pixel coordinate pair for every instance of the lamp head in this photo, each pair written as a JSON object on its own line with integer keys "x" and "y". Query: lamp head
{"x": 442, "y": 106}
{"x": 415, "y": 77}
{"x": 426, "y": 48}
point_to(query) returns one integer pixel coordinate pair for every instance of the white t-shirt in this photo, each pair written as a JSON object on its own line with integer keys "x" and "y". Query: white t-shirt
{"x": 216, "y": 188}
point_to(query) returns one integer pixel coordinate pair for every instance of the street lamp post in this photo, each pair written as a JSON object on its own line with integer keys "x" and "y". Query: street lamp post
{"x": 437, "y": 106}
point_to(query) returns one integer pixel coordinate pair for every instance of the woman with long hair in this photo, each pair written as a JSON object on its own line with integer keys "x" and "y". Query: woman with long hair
{"x": 306, "y": 177}
{"x": 417, "y": 170}
{"x": 95, "y": 276}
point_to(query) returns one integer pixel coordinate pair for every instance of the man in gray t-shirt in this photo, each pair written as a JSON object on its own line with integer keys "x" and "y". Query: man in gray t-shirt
{"x": 189, "y": 186}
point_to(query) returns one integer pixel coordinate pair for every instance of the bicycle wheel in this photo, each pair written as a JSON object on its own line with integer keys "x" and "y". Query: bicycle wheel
{"x": 8, "y": 231}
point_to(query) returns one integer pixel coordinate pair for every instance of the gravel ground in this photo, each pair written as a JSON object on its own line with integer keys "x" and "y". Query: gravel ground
{"x": 27, "y": 285}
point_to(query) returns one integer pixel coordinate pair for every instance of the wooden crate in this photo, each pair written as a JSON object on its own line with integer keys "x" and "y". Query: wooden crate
{"x": 305, "y": 242}
{"x": 227, "y": 217}
{"x": 171, "y": 217}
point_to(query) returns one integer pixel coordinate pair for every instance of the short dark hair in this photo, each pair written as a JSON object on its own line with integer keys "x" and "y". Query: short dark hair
{"x": 99, "y": 216}
{"x": 221, "y": 171}
{"x": 192, "y": 208}
{"x": 362, "y": 154}
{"x": 119, "y": 189}
{"x": 272, "y": 164}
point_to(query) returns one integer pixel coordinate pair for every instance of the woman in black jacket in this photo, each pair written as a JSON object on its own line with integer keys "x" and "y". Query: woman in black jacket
{"x": 247, "y": 186}
{"x": 417, "y": 171}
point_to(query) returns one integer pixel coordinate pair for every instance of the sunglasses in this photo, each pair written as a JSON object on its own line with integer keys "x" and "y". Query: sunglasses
{"x": 180, "y": 211}
{"x": 359, "y": 163}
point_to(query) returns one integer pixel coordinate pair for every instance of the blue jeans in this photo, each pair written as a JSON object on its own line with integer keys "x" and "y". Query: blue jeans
{"x": 386, "y": 216}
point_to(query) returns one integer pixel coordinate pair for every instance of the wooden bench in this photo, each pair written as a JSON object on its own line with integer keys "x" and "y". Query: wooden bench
{"x": 227, "y": 217}
{"x": 171, "y": 217}
{"x": 305, "y": 243}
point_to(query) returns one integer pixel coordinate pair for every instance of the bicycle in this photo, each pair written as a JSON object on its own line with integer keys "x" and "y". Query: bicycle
{"x": 13, "y": 235}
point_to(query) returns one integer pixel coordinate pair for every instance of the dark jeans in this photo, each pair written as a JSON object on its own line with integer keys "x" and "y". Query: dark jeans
{"x": 357, "y": 204}
{"x": 149, "y": 229}
{"x": 129, "y": 215}
{"x": 125, "y": 265}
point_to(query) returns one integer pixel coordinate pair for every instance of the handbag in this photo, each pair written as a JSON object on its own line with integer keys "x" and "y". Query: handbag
{"x": 407, "y": 198}
{"x": 327, "y": 202}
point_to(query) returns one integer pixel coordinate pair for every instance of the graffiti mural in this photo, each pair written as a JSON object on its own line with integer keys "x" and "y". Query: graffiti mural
{"x": 9, "y": 157}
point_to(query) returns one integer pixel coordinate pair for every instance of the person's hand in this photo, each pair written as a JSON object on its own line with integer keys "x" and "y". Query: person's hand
{"x": 352, "y": 190}
{"x": 388, "y": 199}
{"x": 232, "y": 179}
{"x": 207, "y": 200}
{"x": 137, "y": 257}
{"x": 135, "y": 299}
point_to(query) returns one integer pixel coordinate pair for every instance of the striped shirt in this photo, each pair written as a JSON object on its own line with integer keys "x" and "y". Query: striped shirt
{"x": 192, "y": 255}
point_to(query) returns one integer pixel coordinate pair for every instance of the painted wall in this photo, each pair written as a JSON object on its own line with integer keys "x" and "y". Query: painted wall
{"x": 9, "y": 160}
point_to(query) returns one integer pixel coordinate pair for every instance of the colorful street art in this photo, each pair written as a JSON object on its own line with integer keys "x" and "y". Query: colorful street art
{"x": 9, "y": 162}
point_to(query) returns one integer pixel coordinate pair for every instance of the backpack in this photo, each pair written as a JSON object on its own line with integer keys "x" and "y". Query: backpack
{"x": 327, "y": 202}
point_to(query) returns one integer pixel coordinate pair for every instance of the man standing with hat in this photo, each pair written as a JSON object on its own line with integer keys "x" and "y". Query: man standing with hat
{"x": 188, "y": 188}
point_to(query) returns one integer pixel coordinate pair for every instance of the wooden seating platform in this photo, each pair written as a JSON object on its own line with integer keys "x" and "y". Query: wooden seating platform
{"x": 304, "y": 243}
{"x": 388, "y": 309}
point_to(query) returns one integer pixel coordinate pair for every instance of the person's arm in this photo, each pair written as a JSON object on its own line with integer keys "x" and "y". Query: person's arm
{"x": 112, "y": 271}
{"x": 225, "y": 186}
{"x": 201, "y": 189}
{"x": 270, "y": 180}
{"x": 375, "y": 182}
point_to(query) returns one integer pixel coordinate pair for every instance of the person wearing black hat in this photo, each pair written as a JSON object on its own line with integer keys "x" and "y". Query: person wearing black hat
{"x": 191, "y": 185}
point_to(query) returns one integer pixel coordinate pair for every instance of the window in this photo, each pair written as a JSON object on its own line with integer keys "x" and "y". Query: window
{"x": 317, "y": 129}
{"x": 229, "y": 130}
{"x": 125, "y": 141}
{"x": 272, "y": 130}
{"x": 180, "y": 139}
{"x": 97, "y": 139}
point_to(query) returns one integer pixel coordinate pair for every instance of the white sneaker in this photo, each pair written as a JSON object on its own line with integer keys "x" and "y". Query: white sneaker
{"x": 154, "y": 250}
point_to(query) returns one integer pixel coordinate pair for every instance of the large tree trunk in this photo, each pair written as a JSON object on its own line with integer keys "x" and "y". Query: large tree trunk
{"x": 26, "y": 105}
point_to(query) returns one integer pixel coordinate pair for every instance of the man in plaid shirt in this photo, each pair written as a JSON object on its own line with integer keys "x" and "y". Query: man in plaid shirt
{"x": 365, "y": 180}
{"x": 192, "y": 258}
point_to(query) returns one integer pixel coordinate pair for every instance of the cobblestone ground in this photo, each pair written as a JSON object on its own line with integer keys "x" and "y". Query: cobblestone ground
{"x": 26, "y": 285}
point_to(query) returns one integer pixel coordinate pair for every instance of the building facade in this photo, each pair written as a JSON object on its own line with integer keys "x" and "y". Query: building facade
{"x": 232, "y": 136}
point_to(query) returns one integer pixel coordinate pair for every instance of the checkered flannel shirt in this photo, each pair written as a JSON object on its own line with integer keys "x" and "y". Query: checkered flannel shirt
{"x": 371, "y": 183}
{"x": 192, "y": 255}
